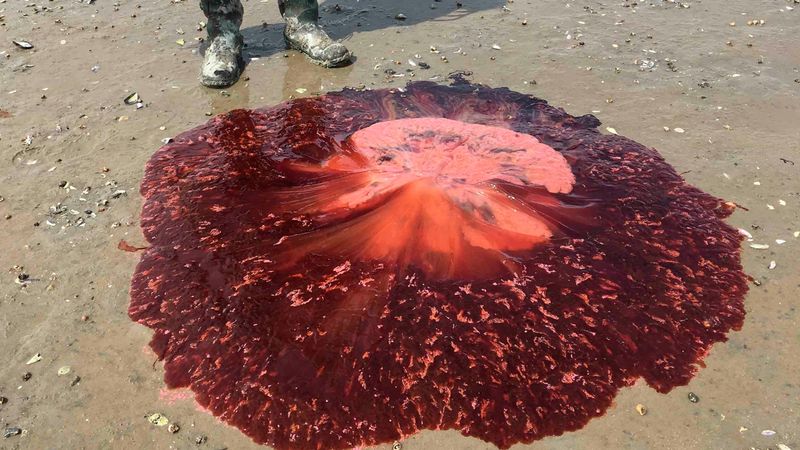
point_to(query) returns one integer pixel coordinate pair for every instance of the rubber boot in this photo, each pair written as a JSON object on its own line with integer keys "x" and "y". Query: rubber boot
{"x": 223, "y": 62}
{"x": 303, "y": 33}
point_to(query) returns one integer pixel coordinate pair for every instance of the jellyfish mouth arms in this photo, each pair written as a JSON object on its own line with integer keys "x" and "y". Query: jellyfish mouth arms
{"x": 428, "y": 194}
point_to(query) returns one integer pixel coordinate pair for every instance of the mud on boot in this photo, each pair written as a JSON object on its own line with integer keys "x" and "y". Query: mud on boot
{"x": 304, "y": 34}
{"x": 312, "y": 40}
{"x": 223, "y": 62}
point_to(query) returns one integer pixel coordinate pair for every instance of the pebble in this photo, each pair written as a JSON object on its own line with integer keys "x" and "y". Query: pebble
{"x": 693, "y": 397}
{"x": 173, "y": 428}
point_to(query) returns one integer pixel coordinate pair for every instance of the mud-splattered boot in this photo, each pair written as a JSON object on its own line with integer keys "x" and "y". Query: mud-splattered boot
{"x": 303, "y": 33}
{"x": 223, "y": 63}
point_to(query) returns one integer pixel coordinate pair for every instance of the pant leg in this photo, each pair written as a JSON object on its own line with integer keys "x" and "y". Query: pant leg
{"x": 303, "y": 11}
{"x": 224, "y": 17}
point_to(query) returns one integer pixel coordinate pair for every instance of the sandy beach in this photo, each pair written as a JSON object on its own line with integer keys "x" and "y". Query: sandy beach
{"x": 714, "y": 85}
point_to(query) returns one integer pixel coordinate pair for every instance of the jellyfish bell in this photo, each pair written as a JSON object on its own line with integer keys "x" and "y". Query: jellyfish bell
{"x": 350, "y": 269}
{"x": 428, "y": 193}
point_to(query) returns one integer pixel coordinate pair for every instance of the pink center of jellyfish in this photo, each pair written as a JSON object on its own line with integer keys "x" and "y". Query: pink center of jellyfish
{"x": 431, "y": 193}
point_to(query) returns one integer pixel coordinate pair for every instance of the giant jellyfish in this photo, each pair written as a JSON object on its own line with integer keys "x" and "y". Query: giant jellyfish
{"x": 353, "y": 268}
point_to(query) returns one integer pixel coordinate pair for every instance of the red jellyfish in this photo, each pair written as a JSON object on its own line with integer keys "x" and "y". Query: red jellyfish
{"x": 350, "y": 269}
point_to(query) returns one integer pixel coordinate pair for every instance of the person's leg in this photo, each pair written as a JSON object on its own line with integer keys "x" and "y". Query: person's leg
{"x": 223, "y": 61}
{"x": 303, "y": 33}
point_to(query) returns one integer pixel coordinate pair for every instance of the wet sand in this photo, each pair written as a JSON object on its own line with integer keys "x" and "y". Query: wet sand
{"x": 733, "y": 90}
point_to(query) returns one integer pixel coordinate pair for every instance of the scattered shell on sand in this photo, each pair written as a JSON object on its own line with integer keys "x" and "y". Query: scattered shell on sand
{"x": 11, "y": 431}
{"x": 23, "y": 44}
{"x": 132, "y": 99}
{"x": 157, "y": 419}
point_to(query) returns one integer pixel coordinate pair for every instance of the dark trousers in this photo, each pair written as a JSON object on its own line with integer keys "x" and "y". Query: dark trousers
{"x": 226, "y": 15}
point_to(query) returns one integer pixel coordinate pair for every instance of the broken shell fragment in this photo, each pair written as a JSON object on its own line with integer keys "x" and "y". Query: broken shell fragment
{"x": 11, "y": 431}
{"x": 158, "y": 419}
{"x": 132, "y": 99}
{"x": 641, "y": 409}
{"x": 23, "y": 44}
